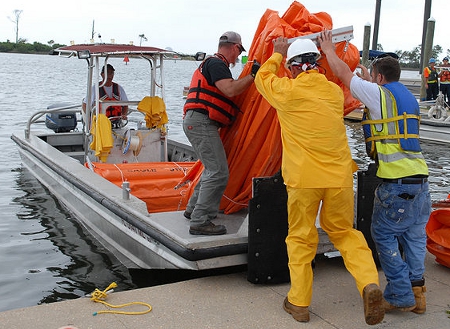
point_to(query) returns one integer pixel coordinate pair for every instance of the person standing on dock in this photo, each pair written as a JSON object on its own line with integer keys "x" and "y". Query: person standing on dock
{"x": 208, "y": 107}
{"x": 431, "y": 80}
{"x": 444, "y": 79}
{"x": 317, "y": 169}
{"x": 402, "y": 202}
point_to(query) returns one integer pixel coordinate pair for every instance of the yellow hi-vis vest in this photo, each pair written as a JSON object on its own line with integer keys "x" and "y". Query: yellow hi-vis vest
{"x": 384, "y": 139}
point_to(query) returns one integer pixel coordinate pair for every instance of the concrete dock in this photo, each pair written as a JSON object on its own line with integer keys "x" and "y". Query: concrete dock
{"x": 230, "y": 301}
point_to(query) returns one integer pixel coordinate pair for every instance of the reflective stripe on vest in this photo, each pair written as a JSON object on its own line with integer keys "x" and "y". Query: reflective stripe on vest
{"x": 394, "y": 161}
{"x": 432, "y": 75}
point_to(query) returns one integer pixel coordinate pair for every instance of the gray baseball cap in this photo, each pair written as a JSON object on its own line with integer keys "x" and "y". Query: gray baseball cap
{"x": 232, "y": 37}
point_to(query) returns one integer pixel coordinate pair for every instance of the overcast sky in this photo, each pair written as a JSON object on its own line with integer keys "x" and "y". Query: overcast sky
{"x": 188, "y": 26}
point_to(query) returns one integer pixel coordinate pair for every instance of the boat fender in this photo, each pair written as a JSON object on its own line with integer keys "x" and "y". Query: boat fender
{"x": 437, "y": 112}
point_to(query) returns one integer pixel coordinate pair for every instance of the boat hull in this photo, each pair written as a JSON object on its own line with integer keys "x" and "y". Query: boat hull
{"x": 432, "y": 131}
{"x": 138, "y": 239}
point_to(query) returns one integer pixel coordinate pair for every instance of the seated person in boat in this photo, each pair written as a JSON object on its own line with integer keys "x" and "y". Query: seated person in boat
{"x": 110, "y": 91}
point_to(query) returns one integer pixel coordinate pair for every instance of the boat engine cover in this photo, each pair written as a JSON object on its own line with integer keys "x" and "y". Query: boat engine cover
{"x": 61, "y": 122}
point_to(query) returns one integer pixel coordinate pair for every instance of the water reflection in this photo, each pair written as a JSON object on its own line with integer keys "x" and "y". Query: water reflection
{"x": 74, "y": 263}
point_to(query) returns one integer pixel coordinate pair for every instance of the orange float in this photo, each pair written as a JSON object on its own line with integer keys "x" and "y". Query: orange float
{"x": 438, "y": 232}
{"x": 154, "y": 182}
{"x": 253, "y": 142}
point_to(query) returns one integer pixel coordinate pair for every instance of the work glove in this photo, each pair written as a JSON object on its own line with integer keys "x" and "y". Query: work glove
{"x": 255, "y": 68}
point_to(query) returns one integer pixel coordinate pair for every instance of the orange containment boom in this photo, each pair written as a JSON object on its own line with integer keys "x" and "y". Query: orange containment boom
{"x": 438, "y": 232}
{"x": 153, "y": 182}
{"x": 253, "y": 142}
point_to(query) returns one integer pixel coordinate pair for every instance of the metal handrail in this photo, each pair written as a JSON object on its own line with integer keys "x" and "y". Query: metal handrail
{"x": 39, "y": 114}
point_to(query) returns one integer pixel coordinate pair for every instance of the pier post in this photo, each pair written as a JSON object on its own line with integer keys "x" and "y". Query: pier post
{"x": 428, "y": 50}
{"x": 366, "y": 43}
{"x": 376, "y": 25}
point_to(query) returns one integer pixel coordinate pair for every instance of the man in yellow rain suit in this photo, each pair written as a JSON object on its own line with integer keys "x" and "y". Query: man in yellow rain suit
{"x": 317, "y": 167}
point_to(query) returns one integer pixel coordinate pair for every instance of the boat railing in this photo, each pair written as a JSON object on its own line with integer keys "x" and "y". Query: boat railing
{"x": 121, "y": 103}
{"x": 37, "y": 115}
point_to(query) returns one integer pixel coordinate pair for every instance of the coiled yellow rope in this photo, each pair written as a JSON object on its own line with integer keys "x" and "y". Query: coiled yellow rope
{"x": 98, "y": 296}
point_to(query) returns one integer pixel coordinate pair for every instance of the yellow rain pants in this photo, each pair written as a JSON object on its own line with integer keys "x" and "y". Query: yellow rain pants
{"x": 336, "y": 219}
{"x": 316, "y": 166}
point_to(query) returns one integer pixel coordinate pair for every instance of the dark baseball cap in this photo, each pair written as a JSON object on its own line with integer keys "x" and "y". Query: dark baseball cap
{"x": 109, "y": 67}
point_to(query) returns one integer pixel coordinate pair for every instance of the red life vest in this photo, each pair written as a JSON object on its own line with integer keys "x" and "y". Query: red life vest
{"x": 202, "y": 96}
{"x": 111, "y": 111}
{"x": 445, "y": 74}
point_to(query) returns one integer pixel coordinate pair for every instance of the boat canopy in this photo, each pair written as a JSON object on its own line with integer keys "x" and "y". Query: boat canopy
{"x": 106, "y": 49}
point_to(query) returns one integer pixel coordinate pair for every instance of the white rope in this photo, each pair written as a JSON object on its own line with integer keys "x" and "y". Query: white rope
{"x": 121, "y": 173}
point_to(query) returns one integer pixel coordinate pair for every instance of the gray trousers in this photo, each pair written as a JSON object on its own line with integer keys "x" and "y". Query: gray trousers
{"x": 203, "y": 134}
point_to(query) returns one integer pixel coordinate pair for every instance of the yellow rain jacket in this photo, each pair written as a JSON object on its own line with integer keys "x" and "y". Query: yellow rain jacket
{"x": 155, "y": 112}
{"x": 317, "y": 166}
{"x": 315, "y": 151}
{"x": 102, "y": 141}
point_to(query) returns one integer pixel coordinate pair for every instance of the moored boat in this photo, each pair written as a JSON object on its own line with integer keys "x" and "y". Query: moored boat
{"x": 435, "y": 120}
{"x": 110, "y": 190}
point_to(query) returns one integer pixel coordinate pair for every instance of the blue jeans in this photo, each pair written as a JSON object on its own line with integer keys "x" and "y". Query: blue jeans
{"x": 203, "y": 134}
{"x": 400, "y": 214}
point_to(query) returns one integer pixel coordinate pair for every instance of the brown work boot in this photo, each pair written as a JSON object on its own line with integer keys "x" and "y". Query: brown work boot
{"x": 421, "y": 303}
{"x": 207, "y": 229}
{"x": 373, "y": 304}
{"x": 299, "y": 313}
{"x": 388, "y": 307}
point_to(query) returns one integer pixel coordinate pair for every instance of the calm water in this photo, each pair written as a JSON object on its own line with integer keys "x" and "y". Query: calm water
{"x": 45, "y": 255}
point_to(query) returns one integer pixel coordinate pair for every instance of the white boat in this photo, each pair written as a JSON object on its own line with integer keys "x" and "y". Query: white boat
{"x": 435, "y": 120}
{"x": 62, "y": 160}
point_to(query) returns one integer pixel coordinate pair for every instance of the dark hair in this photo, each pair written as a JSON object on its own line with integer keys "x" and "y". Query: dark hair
{"x": 388, "y": 67}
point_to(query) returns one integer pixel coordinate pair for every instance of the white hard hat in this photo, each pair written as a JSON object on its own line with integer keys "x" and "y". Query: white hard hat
{"x": 301, "y": 51}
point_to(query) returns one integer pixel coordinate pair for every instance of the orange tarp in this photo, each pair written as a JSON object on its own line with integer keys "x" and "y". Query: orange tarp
{"x": 153, "y": 182}
{"x": 253, "y": 142}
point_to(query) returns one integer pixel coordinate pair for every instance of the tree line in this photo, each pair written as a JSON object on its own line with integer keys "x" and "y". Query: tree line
{"x": 411, "y": 59}
{"x": 28, "y": 48}
{"x": 408, "y": 59}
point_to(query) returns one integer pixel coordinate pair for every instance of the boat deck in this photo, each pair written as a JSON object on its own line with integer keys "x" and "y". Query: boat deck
{"x": 176, "y": 226}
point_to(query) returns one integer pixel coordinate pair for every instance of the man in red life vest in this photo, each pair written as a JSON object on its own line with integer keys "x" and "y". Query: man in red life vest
{"x": 110, "y": 91}
{"x": 444, "y": 79}
{"x": 208, "y": 107}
